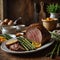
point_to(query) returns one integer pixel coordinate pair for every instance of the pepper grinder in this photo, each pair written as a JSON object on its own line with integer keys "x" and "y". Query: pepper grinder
{"x": 42, "y": 14}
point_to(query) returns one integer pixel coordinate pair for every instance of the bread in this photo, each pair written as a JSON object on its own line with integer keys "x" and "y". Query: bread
{"x": 12, "y": 41}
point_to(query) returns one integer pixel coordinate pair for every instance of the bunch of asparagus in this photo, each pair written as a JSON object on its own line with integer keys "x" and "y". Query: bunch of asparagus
{"x": 56, "y": 49}
{"x": 26, "y": 43}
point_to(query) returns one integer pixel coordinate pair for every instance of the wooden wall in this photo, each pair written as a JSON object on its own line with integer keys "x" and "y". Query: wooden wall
{"x": 0, "y": 9}
{"x": 25, "y": 9}
{"x": 21, "y": 8}
{"x": 3, "y": 9}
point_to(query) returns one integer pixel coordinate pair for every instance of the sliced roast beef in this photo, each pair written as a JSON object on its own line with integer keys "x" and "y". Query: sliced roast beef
{"x": 16, "y": 47}
{"x": 37, "y": 33}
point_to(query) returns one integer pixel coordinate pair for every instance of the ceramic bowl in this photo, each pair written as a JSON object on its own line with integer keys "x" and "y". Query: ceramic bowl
{"x": 12, "y": 29}
{"x": 50, "y": 24}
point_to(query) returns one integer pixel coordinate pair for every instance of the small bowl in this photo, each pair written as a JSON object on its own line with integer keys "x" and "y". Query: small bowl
{"x": 12, "y": 29}
{"x": 8, "y": 29}
{"x": 50, "y": 24}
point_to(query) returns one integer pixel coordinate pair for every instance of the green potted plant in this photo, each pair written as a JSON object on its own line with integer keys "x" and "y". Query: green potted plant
{"x": 53, "y": 9}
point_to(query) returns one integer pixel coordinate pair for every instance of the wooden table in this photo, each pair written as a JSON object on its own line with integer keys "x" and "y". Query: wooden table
{"x": 40, "y": 55}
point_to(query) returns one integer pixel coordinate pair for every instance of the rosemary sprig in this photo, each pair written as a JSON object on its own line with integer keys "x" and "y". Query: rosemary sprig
{"x": 56, "y": 49}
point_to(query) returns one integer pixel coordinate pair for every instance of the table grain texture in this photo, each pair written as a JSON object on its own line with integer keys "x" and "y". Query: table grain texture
{"x": 40, "y": 55}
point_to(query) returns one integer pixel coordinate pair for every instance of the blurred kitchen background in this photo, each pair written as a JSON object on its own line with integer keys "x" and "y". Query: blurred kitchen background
{"x": 26, "y": 11}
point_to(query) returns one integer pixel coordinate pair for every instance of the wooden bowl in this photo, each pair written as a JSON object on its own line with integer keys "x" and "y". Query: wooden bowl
{"x": 50, "y": 24}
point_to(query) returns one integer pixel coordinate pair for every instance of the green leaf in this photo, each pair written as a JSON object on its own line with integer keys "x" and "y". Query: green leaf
{"x": 53, "y": 8}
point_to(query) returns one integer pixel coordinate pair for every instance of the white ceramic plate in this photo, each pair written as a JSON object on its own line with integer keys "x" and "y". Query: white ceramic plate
{"x": 12, "y": 35}
{"x": 4, "y": 48}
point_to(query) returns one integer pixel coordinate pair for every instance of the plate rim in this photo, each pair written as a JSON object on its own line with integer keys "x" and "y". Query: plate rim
{"x": 24, "y": 52}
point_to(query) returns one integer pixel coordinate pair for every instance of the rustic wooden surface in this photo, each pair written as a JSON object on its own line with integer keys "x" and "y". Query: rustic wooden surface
{"x": 0, "y": 9}
{"x": 21, "y": 8}
{"x": 40, "y": 55}
{"x": 13, "y": 9}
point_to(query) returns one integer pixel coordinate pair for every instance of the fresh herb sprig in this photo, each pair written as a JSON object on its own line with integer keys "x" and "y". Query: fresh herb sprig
{"x": 53, "y": 8}
{"x": 56, "y": 49}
